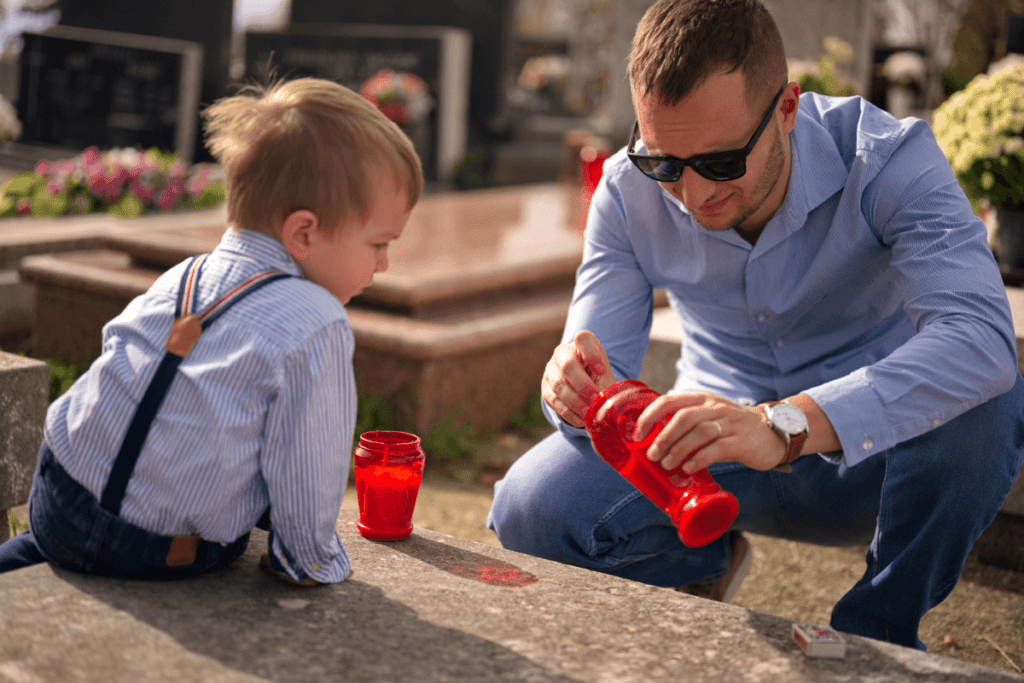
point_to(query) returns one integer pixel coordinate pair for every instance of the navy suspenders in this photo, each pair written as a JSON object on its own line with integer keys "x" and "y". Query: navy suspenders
{"x": 185, "y": 330}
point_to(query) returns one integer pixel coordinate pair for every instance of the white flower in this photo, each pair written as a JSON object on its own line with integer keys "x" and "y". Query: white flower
{"x": 904, "y": 68}
{"x": 839, "y": 49}
{"x": 1007, "y": 62}
{"x": 10, "y": 126}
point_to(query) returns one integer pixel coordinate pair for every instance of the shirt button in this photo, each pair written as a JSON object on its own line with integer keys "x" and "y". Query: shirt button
{"x": 936, "y": 423}
{"x": 867, "y": 444}
{"x": 780, "y": 342}
{"x": 761, "y": 317}
{"x": 315, "y": 567}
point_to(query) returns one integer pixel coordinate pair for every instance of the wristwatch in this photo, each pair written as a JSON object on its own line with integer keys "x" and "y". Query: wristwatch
{"x": 790, "y": 423}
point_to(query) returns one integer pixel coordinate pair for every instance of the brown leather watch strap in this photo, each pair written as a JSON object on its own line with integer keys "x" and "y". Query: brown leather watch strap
{"x": 795, "y": 443}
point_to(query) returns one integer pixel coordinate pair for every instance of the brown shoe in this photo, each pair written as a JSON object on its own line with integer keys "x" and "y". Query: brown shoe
{"x": 724, "y": 588}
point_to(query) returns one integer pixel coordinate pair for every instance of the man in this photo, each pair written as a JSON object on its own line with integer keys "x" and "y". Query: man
{"x": 814, "y": 250}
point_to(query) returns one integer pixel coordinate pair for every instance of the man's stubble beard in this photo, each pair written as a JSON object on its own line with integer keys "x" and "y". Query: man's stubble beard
{"x": 765, "y": 184}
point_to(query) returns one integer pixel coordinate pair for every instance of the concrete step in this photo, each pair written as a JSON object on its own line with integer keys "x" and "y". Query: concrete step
{"x": 429, "y": 608}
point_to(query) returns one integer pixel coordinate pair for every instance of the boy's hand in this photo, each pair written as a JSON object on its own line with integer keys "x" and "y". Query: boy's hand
{"x": 265, "y": 566}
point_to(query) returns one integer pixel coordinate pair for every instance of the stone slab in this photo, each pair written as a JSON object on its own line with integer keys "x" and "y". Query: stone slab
{"x": 457, "y": 249}
{"x": 24, "y": 390}
{"x": 22, "y": 236}
{"x": 430, "y": 608}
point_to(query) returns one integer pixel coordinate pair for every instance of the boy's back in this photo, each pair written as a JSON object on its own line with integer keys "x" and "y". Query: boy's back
{"x": 263, "y": 402}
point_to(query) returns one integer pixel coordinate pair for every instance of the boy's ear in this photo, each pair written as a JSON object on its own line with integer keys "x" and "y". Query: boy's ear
{"x": 297, "y": 233}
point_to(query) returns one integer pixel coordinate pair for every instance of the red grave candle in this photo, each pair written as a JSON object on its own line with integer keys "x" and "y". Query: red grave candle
{"x": 698, "y": 507}
{"x": 388, "y": 470}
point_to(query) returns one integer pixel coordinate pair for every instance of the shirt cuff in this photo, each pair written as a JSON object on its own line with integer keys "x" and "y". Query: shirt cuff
{"x": 281, "y": 560}
{"x": 857, "y": 415}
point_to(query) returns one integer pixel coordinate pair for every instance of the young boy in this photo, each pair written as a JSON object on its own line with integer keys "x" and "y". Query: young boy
{"x": 253, "y": 348}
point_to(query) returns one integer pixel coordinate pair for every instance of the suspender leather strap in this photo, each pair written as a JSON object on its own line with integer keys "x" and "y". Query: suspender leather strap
{"x": 185, "y": 330}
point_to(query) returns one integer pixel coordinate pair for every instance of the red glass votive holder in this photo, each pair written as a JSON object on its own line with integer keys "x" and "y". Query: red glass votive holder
{"x": 388, "y": 471}
{"x": 698, "y": 507}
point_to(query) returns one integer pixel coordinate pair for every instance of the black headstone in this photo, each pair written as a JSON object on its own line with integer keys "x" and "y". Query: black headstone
{"x": 488, "y": 21}
{"x": 208, "y": 22}
{"x": 1015, "y": 35}
{"x": 81, "y": 87}
{"x": 350, "y": 54}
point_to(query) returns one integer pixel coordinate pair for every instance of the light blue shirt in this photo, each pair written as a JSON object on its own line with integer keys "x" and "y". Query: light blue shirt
{"x": 872, "y": 288}
{"x": 260, "y": 413}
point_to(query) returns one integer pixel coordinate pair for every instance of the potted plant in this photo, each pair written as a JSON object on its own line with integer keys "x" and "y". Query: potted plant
{"x": 981, "y": 131}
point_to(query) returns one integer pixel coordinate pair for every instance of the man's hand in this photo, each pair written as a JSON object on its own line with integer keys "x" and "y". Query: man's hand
{"x": 710, "y": 429}
{"x": 576, "y": 373}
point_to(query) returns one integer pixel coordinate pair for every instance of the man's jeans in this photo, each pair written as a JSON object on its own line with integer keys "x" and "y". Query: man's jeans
{"x": 70, "y": 529}
{"x": 920, "y": 505}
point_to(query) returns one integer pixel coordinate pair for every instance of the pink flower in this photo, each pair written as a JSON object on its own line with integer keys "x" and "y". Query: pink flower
{"x": 90, "y": 156}
{"x": 144, "y": 165}
{"x": 66, "y": 166}
{"x": 117, "y": 174}
{"x": 142, "y": 189}
{"x": 54, "y": 186}
{"x": 198, "y": 183}
{"x": 166, "y": 197}
{"x": 41, "y": 168}
{"x": 24, "y": 206}
{"x": 176, "y": 171}
{"x": 105, "y": 184}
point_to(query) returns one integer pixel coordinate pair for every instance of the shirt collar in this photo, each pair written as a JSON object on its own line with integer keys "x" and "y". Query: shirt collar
{"x": 261, "y": 248}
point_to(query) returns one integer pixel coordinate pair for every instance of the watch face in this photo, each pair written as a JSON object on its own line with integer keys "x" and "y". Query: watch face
{"x": 789, "y": 418}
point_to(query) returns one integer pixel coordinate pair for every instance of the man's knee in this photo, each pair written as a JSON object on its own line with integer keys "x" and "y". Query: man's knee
{"x": 529, "y": 500}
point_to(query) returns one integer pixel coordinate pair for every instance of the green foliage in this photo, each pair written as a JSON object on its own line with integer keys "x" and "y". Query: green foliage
{"x": 980, "y": 131}
{"x": 372, "y": 414}
{"x": 16, "y": 526}
{"x": 532, "y": 416}
{"x": 449, "y": 440}
{"x": 64, "y": 374}
{"x": 953, "y": 82}
{"x": 825, "y": 83}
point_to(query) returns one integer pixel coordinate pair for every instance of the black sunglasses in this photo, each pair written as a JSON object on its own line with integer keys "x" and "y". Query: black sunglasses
{"x": 719, "y": 166}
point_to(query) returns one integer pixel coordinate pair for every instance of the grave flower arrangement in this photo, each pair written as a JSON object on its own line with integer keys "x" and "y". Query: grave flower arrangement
{"x": 981, "y": 131}
{"x": 403, "y": 97}
{"x": 121, "y": 182}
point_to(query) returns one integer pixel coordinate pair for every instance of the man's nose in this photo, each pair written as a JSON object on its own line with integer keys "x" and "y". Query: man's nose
{"x": 693, "y": 188}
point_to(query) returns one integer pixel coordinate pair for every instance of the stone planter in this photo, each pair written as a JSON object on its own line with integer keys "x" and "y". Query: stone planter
{"x": 1009, "y": 232}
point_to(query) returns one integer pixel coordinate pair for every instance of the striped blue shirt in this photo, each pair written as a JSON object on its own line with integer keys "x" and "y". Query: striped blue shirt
{"x": 872, "y": 288}
{"x": 260, "y": 413}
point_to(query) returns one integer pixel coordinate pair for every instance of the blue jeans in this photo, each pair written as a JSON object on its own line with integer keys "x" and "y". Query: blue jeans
{"x": 70, "y": 529}
{"x": 920, "y": 506}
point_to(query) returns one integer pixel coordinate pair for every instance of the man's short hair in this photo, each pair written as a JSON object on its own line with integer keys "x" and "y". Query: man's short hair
{"x": 680, "y": 43}
{"x": 309, "y": 144}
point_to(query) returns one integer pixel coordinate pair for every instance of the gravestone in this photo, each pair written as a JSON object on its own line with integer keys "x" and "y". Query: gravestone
{"x": 207, "y": 22}
{"x": 1015, "y": 34}
{"x": 488, "y": 21}
{"x": 83, "y": 87}
{"x": 350, "y": 54}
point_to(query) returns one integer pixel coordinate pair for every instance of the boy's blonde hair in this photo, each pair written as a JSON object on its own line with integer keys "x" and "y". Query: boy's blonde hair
{"x": 309, "y": 144}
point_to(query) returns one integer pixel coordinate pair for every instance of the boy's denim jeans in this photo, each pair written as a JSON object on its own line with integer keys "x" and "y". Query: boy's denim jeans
{"x": 70, "y": 529}
{"x": 920, "y": 506}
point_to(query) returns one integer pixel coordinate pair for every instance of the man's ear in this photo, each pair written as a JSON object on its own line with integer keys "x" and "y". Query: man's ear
{"x": 790, "y": 104}
{"x": 297, "y": 233}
